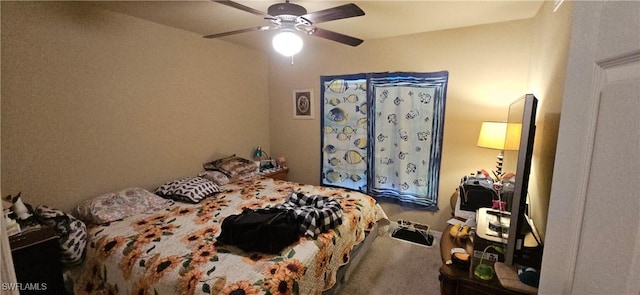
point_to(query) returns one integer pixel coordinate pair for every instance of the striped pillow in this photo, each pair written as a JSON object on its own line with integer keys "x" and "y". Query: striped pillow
{"x": 189, "y": 189}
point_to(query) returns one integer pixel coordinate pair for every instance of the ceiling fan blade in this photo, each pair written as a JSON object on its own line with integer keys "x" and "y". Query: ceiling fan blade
{"x": 333, "y": 36}
{"x": 242, "y": 7}
{"x": 260, "y": 28}
{"x": 335, "y": 13}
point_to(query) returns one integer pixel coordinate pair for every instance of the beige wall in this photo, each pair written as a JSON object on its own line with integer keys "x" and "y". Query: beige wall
{"x": 94, "y": 101}
{"x": 548, "y": 69}
{"x": 488, "y": 68}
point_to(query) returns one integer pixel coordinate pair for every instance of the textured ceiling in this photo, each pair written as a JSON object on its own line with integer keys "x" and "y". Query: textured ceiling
{"x": 383, "y": 18}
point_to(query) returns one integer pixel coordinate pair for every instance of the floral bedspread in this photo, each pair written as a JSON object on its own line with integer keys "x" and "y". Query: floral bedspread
{"x": 173, "y": 251}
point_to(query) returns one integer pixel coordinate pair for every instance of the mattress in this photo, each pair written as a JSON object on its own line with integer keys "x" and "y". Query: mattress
{"x": 173, "y": 251}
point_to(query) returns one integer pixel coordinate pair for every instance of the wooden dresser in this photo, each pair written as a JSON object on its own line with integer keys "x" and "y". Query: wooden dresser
{"x": 36, "y": 259}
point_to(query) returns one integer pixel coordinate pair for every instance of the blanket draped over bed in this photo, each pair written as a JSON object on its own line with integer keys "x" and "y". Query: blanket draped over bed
{"x": 174, "y": 252}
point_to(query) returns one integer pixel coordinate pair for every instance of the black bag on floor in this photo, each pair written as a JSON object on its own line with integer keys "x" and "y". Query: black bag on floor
{"x": 260, "y": 230}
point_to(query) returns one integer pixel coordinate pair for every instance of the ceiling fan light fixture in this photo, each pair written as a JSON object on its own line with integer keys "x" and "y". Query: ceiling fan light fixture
{"x": 287, "y": 43}
{"x": 289, "y": 18}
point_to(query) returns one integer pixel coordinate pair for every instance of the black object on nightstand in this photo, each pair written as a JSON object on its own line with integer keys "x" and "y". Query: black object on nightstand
{"x": 36, "y": 260}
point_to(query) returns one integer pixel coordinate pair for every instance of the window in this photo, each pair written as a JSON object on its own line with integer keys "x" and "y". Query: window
{"x": 382, "y": 134}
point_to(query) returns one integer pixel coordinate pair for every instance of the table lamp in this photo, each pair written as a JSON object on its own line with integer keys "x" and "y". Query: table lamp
{"x": 258, "y": 153}
{"x": 492, "y": 136}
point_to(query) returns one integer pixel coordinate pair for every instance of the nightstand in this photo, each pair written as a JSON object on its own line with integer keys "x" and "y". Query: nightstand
{"x": 278, "y": 173}
{"x": 458, "y": 281}
{"x": 36, "y": 260}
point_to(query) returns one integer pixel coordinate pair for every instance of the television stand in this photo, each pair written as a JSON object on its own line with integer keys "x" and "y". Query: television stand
{"x": 454, "y": 280}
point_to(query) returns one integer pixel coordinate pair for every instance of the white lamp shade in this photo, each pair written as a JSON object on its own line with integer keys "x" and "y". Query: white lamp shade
{"x": 512, "y": 137}
{"x": 287, "y": 43}
{"x": 492, "y": 135}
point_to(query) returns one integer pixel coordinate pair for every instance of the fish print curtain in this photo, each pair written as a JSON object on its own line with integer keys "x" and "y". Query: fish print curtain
{"x": 382, "y": 134}
{"x": 344, "y": 128}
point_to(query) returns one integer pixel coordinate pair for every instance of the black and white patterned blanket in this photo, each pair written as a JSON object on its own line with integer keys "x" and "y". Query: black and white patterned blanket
{"x": 316, "y": 214}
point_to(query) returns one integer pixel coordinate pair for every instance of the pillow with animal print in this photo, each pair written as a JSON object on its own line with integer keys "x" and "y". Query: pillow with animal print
{"x": 189, "y": 189}
{"x": 73, "y": 232}
{"x": 235, "y": 168}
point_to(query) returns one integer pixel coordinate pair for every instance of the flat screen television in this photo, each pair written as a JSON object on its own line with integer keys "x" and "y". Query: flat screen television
{"x": 519, "y": 140}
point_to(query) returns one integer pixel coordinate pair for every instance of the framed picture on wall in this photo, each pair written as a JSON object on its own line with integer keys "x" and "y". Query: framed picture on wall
{"x": 303, "y": 104}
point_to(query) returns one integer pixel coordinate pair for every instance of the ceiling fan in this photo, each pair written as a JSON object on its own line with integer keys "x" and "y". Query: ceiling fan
{"x": 289, "y": 18}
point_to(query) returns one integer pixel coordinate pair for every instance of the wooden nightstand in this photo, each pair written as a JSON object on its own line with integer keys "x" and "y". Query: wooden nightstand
{"x": 458, "y": 281}
{"x": 280, "y": 174}
{"x": 36, "y": 260}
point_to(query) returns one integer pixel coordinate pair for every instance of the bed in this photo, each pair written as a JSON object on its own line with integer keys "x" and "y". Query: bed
{"x": 173, "y": 251}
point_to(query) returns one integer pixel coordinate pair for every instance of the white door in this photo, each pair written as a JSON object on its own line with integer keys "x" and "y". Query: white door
{"x": 593, "y": 231}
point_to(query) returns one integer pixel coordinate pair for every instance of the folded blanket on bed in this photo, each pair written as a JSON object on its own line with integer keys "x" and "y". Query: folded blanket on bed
{"x": 316, "y": 214}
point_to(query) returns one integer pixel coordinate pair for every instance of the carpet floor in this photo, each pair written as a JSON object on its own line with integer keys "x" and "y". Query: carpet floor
{"x": 396, "y": 267}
